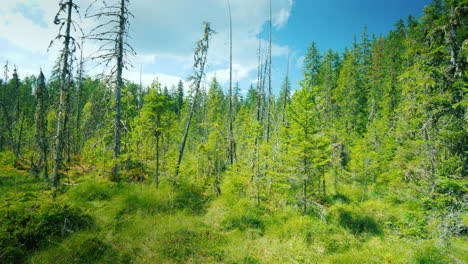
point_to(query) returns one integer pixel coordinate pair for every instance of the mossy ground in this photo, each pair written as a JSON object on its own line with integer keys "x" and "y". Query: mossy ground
{"x": 142, "y": 223}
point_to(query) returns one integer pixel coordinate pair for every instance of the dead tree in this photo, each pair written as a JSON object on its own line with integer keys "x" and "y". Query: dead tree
{"x": 113, "y": 34}
{"x": 269, "y": 99}
{"x": 18, "y": 114}
{"x": 79, "y": 95}
{"x": 286, "y": 93}
{"x": 201, "y": 51}
{"x": 64, "y": 66}
{"x": 232, "y": 144}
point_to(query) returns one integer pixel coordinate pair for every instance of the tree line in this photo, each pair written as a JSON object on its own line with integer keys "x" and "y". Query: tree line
{"x": 387, "y": 112}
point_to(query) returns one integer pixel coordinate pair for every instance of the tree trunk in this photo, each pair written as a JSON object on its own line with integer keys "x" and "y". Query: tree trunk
{"x": 156, "y": 172}
{"x": 200, "y": 60}
{"x": 63, "y": 100}
{"x": 231, "y": 133}
{"x": 41, "y": 125}
{"x": 118, "y": 90}
{"x": 286, "y": 92}
{"x": 269, "y": 84}
{"x": 20, "y": 137}
{"x": 304, "y": 193}
{"x": 78, "y": 105}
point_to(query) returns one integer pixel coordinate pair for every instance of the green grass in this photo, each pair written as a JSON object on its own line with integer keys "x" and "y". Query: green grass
{"x": 140, "y": 223}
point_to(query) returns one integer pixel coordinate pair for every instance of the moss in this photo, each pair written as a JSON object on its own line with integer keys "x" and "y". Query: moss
{"x": 29, "y": 221}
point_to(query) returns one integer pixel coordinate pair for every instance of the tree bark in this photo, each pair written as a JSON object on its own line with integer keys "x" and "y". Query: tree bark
{"x": 156, "y": 172}
{"x": 63, "y": 100}
{"x": 231, "y": 133}
{"x": 118, "y": 90}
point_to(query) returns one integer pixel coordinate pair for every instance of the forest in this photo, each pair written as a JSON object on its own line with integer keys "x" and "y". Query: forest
{"x": 366, "y": 162}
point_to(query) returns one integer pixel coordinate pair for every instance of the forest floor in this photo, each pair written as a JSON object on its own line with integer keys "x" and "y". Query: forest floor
{"x": 94, "y": 220}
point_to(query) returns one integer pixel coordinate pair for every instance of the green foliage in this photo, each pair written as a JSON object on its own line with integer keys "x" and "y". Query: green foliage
{"x": 364, "y": 163}
{"x": 7, "y": 158}
{"x": 30, "y": 220}
{"x": 190, "y": 198}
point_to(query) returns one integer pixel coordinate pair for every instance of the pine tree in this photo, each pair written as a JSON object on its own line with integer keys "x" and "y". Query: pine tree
{"x": 40, "y": 134}
{"x": 64, "y": 64}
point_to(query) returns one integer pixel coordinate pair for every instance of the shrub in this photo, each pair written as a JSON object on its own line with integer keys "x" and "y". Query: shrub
{"x": 7, "y": 158}
{"x": 191, "y": 198}
{"x": 336, "y": 198}
{"x": 429, "y": 254}
{"x": 358, "y": 223}
{"x": 27, "y": 223}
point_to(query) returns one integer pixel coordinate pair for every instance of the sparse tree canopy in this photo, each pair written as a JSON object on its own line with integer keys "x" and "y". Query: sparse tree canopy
{"x": 364, "y": 160}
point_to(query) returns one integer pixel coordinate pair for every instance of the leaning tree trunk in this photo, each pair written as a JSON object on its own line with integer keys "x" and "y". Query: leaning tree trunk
{"x": 200, "y": 60}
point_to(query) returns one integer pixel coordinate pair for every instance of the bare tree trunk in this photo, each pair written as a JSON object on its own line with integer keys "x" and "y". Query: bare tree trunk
{"x": 78, "y": 107}
{"x": 304, "y": 193}
{"x": 118, "y": 89}
{"x": 63, "y": 99}
{"x": 286, "y": 92}
{"x": 20, "y": 136}
{"x": 18, "y": 117}
{"x": 187, "y": 128}
{"x": 231, "y": 133}
{"x": 156, "y": 172}
{"x": 269, "y": 85}
{"x": 200, "y": 60}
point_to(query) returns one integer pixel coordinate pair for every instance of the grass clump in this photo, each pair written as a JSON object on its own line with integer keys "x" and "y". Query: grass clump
{"x": 83, "y": 248}
{"x": 358, "y": 223}
{"x": 244, "y": 222}
{"x": 182, "y": 244}
{"x": 428, "y": 253}
{"x": 29, "y": 221}
{"x": 145, "y": 202}
{"x": 92, "y": 191}
{"x": 356, "y": 220}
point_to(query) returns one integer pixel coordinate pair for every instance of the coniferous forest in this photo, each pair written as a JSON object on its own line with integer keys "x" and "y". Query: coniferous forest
{"x": 365, "y": 162}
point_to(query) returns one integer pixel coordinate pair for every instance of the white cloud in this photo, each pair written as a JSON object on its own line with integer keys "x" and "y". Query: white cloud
{"x": 148, "y": 78}
{"x": 163, "y": 34}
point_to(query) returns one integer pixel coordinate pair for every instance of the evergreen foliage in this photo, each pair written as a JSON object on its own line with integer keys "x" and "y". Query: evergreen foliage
{"x": 366, "y": 162}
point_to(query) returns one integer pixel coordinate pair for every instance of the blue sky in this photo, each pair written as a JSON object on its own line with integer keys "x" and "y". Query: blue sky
{"x": 163, "y": 33}
{"x": 332, "y": 24}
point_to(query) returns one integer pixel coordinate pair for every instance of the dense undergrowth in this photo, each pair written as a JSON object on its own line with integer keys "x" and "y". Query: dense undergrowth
{"x": 94, "y": 220}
